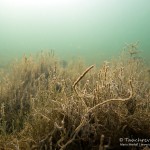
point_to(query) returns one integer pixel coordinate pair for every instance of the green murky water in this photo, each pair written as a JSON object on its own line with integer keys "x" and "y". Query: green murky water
{"x": 95, "y": 30}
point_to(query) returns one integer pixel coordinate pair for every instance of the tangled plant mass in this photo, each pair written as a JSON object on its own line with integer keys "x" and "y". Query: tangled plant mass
{"x": 47, "y": 105}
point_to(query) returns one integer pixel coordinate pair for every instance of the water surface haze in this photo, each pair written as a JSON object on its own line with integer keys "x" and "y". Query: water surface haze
{"x": 95, "y": 30}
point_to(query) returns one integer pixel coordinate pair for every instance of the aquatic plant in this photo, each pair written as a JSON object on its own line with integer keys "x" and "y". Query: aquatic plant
{"x": 45, "y": 105}
{"x": 132, "y": 48}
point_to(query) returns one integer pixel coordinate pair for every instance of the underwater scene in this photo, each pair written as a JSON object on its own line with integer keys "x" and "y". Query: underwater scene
{"x": 74, "y": 75}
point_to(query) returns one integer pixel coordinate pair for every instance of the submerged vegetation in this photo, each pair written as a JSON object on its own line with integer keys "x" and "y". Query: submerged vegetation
{"x": 48, "y": 104}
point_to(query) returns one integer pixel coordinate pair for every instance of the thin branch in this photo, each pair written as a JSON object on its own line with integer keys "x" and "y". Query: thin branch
{"x": 110, "y": 100}
{"x": 80, "y": 77}
{"x": 83, "y": 122}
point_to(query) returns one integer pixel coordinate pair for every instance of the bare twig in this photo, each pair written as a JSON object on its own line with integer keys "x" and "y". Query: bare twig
{"x": 80, "y": 77}
{"x": 83, "y": 122}
{"x": 110, "y": 100}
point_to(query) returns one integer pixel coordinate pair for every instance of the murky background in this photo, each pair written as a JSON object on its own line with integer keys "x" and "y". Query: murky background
{"x": 95, "y": 30}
